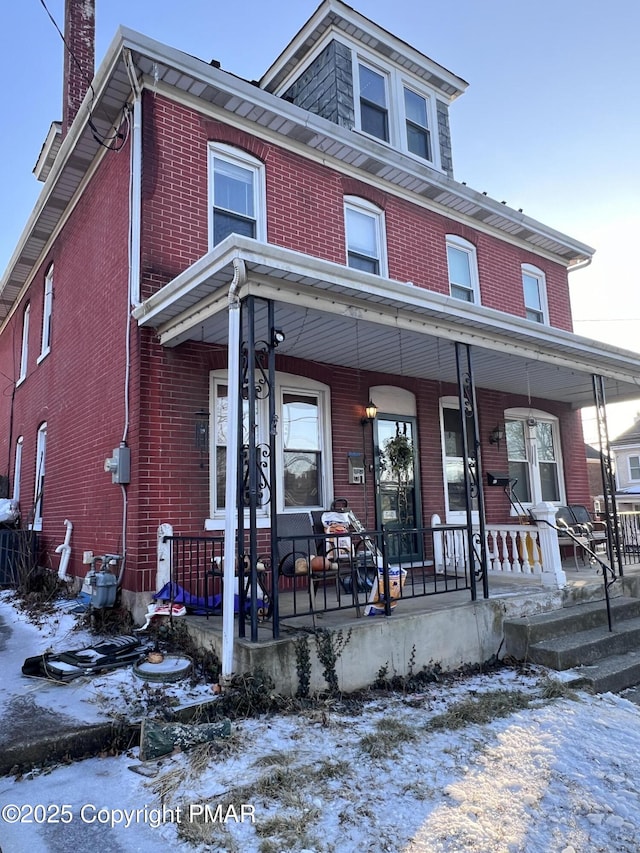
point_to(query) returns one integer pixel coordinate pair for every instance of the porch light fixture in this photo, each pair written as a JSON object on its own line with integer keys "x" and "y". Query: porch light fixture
{"x": 370, "y": 413}
{"x": 497, "y": 435}
{"x": 277, "y": 337}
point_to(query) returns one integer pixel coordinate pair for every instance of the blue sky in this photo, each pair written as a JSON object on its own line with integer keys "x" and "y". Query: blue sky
{"x": 550, "y": 122}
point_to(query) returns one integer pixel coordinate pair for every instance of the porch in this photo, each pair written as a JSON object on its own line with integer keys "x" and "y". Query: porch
{"x": 443, "y": 614}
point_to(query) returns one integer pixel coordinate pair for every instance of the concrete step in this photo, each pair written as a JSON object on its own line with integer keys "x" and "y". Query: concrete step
{"x": 522, "y": 633}
{"x": 610, "y": 675}
{"x": 586, "y": 647}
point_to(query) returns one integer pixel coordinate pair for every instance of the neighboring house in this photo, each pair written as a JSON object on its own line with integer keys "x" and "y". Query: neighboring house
{"x": 311, "y": 217}
{"x": 594, "y": 475}
{"x": 626, "y": 453}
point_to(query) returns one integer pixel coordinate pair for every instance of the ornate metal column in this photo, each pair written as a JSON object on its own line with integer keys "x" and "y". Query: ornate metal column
{"x": 477, "y": 543}
{"x": 608, "y": 477}
{"x": 257, "y": 476}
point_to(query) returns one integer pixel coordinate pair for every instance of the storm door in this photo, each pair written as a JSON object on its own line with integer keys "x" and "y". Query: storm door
{"x": 397, "y": 494}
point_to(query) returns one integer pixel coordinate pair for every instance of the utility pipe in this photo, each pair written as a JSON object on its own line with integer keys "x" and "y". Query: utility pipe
{"x": 65, "y": 552}
{"x": 231, "y": 485}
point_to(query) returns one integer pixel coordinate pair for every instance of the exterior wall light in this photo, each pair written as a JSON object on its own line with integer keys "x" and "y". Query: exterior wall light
{"x": 370, "y": 413}
{"x": 497, "y": 435}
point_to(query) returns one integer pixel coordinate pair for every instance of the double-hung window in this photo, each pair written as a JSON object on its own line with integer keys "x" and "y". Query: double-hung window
{"x": 535, "y": 461}
{"x": 47, "y": 307}
{"x": 463, "y": 269}
{"x": 634, "y": 467}
{"x": 236, "y": 193}
{"x": 417, "y": 124}
{"x": 365, "y": 238}
{"x": 374, "y": 110}
{"x": 17, "y": 468}
{"x": 38, "y": 500}
{"x": 303, "y": 446}
{"x": 535, "y": 294}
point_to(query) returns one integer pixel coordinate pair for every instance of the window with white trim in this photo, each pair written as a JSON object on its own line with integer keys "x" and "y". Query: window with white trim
{"x": 416, "y": 111}
{"x": 393, "y": 107}
{"x": 534, "y": 289}
{"x": 303, "y": 443}
{"x": 634, "y": 467}
{"x": 463, "y": 269}
{"x": 38, "y": 499}
{"x": 24, "y": 351}
{"x": 47, "y": 308}
{"x": 236, "y": 193}
{"x": 374, "y": 111}
{"x": 17, "y": 468}
{"x": 535, "y": 458}
{"x": 453, "y": 461}
{"x": 365, "y": 236}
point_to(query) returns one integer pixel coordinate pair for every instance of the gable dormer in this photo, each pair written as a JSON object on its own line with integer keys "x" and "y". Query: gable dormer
{"x": 352, "y": 72}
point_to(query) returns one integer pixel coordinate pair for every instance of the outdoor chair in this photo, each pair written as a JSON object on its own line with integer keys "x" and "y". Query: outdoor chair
{"x": 299, "y": 556}
{"x": 573, "y": 534}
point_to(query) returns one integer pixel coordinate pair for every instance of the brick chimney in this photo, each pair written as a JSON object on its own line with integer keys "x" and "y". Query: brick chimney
{"x": 79, "y": 57}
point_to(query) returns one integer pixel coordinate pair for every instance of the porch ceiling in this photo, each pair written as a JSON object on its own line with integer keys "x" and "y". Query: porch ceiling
{"x": 340, "y": 316}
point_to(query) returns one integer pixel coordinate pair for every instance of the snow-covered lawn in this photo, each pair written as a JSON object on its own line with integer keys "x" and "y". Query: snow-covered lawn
{"x": 557, "y": 775}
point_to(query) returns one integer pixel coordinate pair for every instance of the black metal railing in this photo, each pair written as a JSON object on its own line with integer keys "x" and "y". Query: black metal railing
{"x": 366, "y": 572}
{"x": 629, "y": 527}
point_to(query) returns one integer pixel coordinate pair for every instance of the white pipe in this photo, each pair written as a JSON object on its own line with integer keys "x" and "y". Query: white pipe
{"x": 65, "y": 552}
{"x": 231, "y": 485}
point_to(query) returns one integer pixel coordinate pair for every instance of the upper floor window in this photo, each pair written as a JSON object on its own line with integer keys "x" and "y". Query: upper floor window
{"x": 535, "y": 294}
{"x": 38, "y": 500}
{"x": 364, "y": 225}
{"x": 236, "y": 187}
{"x": 24, "y": 352}
{"x": 463, "y": 269}
{"x": 634, "y": 467}
{"x": 394, "y": 109}
{"x": 17, "y": 468}
{"x": 47, "y": 308}
{"x": 417, "y": 123}
{"x": 374, "y": 112}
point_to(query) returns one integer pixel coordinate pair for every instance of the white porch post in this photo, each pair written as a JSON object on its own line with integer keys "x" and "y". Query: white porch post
{"x": 231, "y": 485}
{"x": 552, "y": 572}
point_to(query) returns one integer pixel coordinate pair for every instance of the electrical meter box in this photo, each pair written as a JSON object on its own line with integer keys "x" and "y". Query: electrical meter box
{"x": 119, "y": 465}
{"x": 356, "y": 468}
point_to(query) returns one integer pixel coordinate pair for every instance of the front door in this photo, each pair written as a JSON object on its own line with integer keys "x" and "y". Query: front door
{"x": 396, "y": 475}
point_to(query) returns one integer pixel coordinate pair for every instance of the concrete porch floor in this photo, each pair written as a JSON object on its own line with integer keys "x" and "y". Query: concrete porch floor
{"x": 448, "y": 629}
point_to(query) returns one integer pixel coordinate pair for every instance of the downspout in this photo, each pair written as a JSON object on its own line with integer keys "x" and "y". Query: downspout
{"x": 65, "y": 552}
{"x": 231, "y": 485}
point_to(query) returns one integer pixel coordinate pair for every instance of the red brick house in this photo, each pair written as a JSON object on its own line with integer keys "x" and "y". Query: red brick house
{"x": 313, "y": 218}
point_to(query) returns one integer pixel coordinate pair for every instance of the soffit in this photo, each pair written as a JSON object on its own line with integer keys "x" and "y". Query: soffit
{"x": 335, "y": 315}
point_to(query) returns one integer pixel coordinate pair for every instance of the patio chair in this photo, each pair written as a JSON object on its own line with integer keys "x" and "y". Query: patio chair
{"x": 595, "y": 530}
{"x": 298, "y": 554}
{"x": 576, "y": 535}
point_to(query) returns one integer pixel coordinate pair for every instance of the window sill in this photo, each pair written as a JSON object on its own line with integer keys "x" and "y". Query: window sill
{"x": 42, "y": 356}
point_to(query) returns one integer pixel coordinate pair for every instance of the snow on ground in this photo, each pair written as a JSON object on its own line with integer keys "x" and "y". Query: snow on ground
{"x": 560, "y": 775}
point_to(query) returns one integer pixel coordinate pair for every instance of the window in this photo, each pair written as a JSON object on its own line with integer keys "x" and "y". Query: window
{"x": 453, "y": 456}
{"x": 303, "y": 445}
{"x": 24, "y": 353}
{"x": 237, "y": 195}
{"x": 533, "y": 450}
{"x": 17, "y": 469}
{"x": 535, "y": 294}
{"x": 38, "y": 500}
{"x": 634, "y": 467}
{"x": 365, "y": 236}
{"x": 374, "y": 113}
{"x": 46, "y": 313}
{"x": 416, "y": 117}
{"x": 463, "y": 269}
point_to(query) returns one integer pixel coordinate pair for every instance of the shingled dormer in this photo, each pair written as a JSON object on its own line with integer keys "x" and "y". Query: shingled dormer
{"x": 352, "y": 72}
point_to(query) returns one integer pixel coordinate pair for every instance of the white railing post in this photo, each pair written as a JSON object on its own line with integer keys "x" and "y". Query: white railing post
{"x": 163, "y": 566}
{"x": 552, "y": 572}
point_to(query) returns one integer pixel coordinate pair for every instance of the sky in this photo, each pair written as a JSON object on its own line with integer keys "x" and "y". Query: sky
{"x": 559, "y": 775}
{"x": 550, "y": 122}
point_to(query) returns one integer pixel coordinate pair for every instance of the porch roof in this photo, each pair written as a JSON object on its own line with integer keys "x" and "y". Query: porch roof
{"x": 338, "y": 315}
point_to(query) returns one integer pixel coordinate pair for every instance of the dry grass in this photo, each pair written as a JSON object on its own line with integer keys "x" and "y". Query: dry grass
{"x": 389, "y": 736}
{"x": 480, "y": 709}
